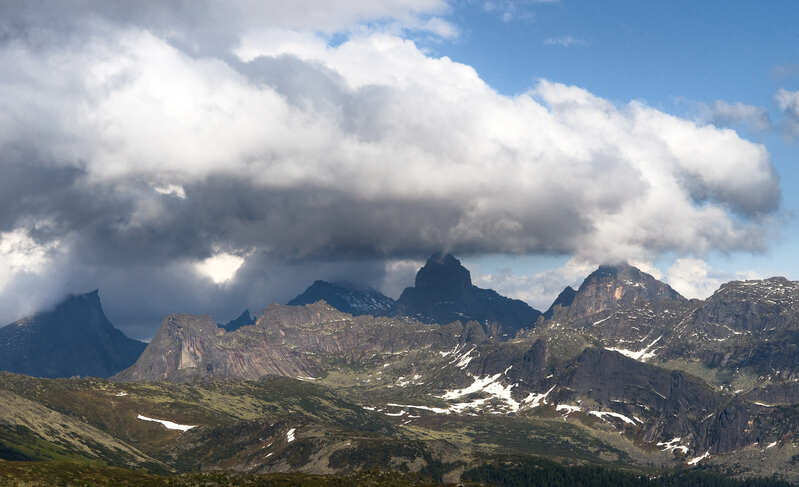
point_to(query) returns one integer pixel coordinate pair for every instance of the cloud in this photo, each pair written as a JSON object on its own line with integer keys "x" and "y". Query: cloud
{"x": 151, "y": 143}
{"x": 788, "y": 103}
{"x": 539, "y": 289}
{"x": 564, "y": 41}
{"x": 694, "y": 278}
{"x": 725, "y": 114}
{"x": 221, "y": 267}
{"x": 509, "y": 10}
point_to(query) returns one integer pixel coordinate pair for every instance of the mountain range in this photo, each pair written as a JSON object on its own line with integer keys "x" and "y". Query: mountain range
{"x": 442, "y": 293}
{"x": 622, "y": 372}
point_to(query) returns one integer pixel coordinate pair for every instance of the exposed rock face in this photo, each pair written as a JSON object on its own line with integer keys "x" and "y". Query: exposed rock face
{"x": 293, "y": 341}
{"x": 347, "y": 298}
{"x": 619, "y": 307}
{"x": 443, "y": 293}
{"x": 74, "y": 338}
{"x": 747, "y": 330}
{"x": 610, "y": 289}
{"x": 745, "y": 326}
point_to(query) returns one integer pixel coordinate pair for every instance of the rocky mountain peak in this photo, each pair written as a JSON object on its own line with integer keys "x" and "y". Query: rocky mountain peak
{"x": 73, "y": 338}
{"x": 444, "y": 293}
{"x": 347, "y": 297}
{"x": 619, "y": 303}
{"x": 564, "y": 300}
{"x": 443, "y": 274}
{"x": 623, "y": 283}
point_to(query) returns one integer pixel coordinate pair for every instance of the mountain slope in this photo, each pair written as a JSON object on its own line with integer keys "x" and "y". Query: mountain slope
{"x": 443, "y": 293}
{"x": 74, "y": 338}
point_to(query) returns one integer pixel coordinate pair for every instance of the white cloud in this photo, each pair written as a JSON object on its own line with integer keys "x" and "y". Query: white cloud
{"x": 539, "y": 289}
{"x": 19, "y": 253}
{"x": 564, "y": 41}
{"x": 723, "y": 114}
{"x": 171, "y": 189}
{"x": 788, "y": 102}
{"x": 401, "y": 125}
{"x": 694, "y": 278}
{"x": 220, "y": 268}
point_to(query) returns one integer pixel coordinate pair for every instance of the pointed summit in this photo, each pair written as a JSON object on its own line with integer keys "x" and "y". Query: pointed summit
{"x": 444, "y": 275}
{"x": 564, "y": 300}
{"x": 616, "y": 301}
{"x": 443, "y": 293}
{"x": 244, "y": 319}
{"x": 74, "y": 338}
{"x": 612, "y": 285}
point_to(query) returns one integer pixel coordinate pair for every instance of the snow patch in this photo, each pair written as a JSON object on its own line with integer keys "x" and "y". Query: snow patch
{"x": 641, "y": 355}
{"x": 167, "y": 424}
{"x": 535, "y": 400}
{"x": 478, "y": 385}
{"x": 423, "y": 408}
{"x": 696, "y": 460}
{"x": 602, "y": 320}
{"x": 290, "y": 435}
{"x": 601, "y": 415}
{"x": 673, "y": 444}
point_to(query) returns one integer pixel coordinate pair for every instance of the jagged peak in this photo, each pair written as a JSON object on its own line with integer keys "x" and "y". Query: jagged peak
{"x": 626, "y": 277}
{"x": 443, "y": 270}
{"x": 564, "y": 299}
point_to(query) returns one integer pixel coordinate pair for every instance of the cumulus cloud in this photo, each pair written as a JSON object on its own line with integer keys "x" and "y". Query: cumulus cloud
{"x": 150, "y": 149}
{"x": 725, "y": 114}
{"x": 538, "y": 289}
{"x": 788, "y": 102}
{"x": 694, "y": 278}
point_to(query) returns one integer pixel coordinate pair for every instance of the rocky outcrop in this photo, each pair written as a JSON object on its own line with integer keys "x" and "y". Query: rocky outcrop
{"x": 75, "y": 338}
{"x": 293, "y": 341}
